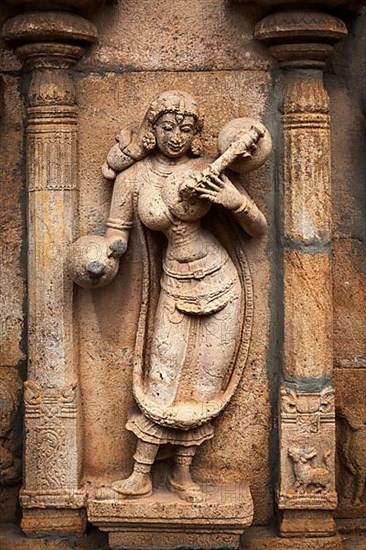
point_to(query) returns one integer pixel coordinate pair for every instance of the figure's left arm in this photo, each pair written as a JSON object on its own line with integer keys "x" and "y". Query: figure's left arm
{"x": 250, "y": 217}
{"x": 220, "y": 190}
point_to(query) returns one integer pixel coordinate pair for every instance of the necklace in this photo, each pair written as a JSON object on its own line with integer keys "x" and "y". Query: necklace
{"x": 160, "y": 168}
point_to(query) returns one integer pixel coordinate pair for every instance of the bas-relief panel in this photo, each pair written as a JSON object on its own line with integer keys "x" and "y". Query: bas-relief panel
{"x": 108, "y": 324}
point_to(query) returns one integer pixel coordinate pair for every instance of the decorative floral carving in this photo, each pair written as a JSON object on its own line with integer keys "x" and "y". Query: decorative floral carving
{"x": 293, "y": 403}
{"x": 307, "y": 423}
{"x": 47, "y": 410}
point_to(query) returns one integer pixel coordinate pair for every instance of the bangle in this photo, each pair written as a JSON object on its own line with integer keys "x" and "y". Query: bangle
{"x": 244, "y": 208}
{"x": 118, "y": 224}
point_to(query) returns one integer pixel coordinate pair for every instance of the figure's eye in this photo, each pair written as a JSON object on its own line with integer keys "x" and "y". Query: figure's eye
{"x": 186, "y": 129}
{"x": 167, "y": 127}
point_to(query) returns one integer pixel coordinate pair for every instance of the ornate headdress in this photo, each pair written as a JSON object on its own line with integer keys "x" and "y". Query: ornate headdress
{"x": 179, "y": 103}
{"x": 175, "y": 101}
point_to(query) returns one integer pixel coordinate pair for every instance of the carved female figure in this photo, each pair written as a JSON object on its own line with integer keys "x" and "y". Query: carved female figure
{"x": 186, "y": 369}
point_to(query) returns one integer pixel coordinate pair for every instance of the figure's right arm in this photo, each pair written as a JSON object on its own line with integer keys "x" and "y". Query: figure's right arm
{"x": 120, "y": 218}
{"x": 94, "y": 259}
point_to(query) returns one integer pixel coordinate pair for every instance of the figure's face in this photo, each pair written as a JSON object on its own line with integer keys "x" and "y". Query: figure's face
{"x": 174, "y": 134}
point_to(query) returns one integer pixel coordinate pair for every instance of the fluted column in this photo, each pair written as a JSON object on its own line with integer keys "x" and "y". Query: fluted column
{"x": 49, "y": 43}
{"x": 301, "y": 40}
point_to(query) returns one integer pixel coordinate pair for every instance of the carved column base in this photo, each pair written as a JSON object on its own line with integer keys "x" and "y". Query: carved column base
{"x": 49, "y": 512}
{"x": 165, "y": 521}
{"x": 307, "y": 523}
{"x": 261, "y": 538}
{"x": 50, "y": 521}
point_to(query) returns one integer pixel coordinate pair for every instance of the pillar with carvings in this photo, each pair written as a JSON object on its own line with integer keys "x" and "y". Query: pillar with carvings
{"x": 49, "y": 43}
{"x": 301, "y": 40}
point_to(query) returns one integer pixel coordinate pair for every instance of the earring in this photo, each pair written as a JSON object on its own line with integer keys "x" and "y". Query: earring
{"x": 197, "y": 146}
{"x": 149, "y": 141}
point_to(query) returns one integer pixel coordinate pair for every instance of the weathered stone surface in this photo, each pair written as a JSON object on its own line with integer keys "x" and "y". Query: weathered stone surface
{"x": 329, "y": 4}
{"x": 349, "y": 302}
{"x": 10, "y": 442}
{"x": 146, "y": 37}
{"x": 12, "y": 537}
{"x": 12, "y": 220}
{"x": 46, "y": 26}
{"x": 350, "y": 385}
{"x": 169, "y": 522}
{"x": 12, "y": 289}
{"x": 8, "y": 59}
{"x": 308, "y": 350}
{"x": 348, "y": 163}
{"x": 259, "y": 538}
{"x": 175, "y": 36}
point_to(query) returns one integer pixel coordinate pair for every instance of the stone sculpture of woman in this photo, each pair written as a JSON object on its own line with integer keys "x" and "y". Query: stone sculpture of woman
{"x": 185, "y": 372}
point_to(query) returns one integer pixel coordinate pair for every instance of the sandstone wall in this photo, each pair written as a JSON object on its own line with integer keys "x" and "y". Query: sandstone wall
{"x": 206, "y": 48}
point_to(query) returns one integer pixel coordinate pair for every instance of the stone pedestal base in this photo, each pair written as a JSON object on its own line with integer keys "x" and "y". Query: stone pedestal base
{"x": 164, "y": 521}
{"x": 347, "y": 525}
{"x": 261, "y": 538}
{"x": 307, "y": 523}
{"x": 48, "y": 521}
{"x": 12, "y": 538}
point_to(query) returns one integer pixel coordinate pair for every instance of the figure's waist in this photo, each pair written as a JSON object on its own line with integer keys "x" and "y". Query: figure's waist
{"x": 205, "y": 294}
{"x": 195, "y": 268}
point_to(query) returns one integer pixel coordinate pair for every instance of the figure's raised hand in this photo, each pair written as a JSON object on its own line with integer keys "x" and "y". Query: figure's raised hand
{"x": 245, "y": 143}
{"x": 220, "y": 190}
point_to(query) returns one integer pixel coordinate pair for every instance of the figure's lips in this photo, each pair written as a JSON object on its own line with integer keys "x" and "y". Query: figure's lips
{"x": 174, "y": 147}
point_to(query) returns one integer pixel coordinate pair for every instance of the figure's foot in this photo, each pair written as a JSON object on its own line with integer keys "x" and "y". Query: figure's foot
{"x": 181, "y": 483}
{"x": 138, "y": 485}
{"x": 104, "y": 493}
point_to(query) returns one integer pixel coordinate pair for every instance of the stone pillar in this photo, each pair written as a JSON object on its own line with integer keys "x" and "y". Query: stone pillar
{"x": 301, "y": 41}
{"x": 49, "y": 43}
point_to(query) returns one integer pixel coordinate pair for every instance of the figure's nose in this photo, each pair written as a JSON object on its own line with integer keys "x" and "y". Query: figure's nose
{"x": 176, "y": 137}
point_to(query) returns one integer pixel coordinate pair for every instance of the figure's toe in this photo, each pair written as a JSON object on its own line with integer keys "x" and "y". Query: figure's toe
{"x": 134, "y": 486}
{"x": 188, "y": 491}
{"x": 104, "y": 493}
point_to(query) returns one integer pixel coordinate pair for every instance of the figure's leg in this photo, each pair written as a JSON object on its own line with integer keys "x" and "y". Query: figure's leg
{"x": 180, "y": 481}
{"x": 139, "y": 484}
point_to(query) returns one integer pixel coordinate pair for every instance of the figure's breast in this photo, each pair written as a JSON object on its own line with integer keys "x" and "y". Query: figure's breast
{"x": 190, "y": 210}
{"x": 151, "y": 208}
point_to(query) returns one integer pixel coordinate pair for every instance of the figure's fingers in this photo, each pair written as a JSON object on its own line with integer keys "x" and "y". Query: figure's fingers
{"x": 208, "y": 191}
{"x": 227, "y": 181}
{"x": 209, "y": 184}
{"x": 217, "y": 180}
{"x": 211, "y": 198}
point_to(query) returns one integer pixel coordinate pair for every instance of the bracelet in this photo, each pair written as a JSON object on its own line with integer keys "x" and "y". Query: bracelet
{"x": 118, "y": 224}
{"x": 244, "y": 208}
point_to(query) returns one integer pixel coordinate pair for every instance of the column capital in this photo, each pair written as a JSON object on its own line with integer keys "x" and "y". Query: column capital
{"x": 49, "y": 39}
{"x": 300, "y": 38}
{"x": 303, "y": 34}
